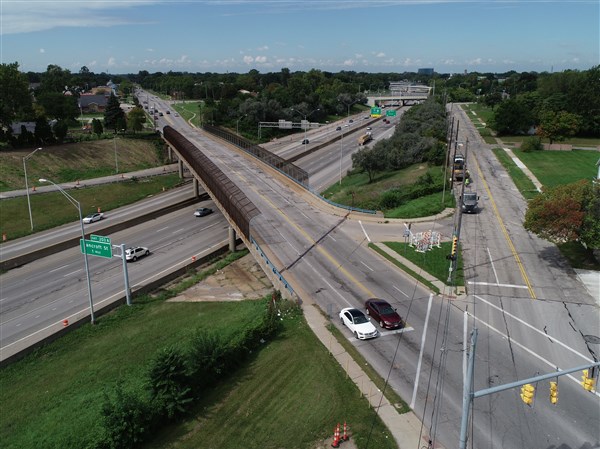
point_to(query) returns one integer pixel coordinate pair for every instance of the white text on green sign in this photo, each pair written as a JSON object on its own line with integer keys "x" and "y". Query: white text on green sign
{"x": 99, "y": 249}
{"x": 99, "y": 238}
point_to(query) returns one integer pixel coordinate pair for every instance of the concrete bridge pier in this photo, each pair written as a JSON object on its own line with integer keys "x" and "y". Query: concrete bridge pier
{"x": 180, "y": 167}
{"x": 231, "y": 239}
{"x": 196, "y": 185}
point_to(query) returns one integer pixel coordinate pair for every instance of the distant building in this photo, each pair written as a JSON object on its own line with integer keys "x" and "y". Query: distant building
{"x": 425, "y": 72}
{"x": 93, "y": 103}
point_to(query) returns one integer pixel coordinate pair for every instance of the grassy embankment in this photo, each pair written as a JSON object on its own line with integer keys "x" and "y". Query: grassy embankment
{"x": 290, "y": 394}
{"x": 69, "y": 163}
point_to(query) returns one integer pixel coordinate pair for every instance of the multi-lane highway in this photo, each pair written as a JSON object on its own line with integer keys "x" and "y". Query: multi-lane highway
{"x": 532, "y": 316}
{"x": 38, "y": 296}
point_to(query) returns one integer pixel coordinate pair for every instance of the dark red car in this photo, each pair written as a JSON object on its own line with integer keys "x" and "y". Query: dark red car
{"x": 382, "y": 312}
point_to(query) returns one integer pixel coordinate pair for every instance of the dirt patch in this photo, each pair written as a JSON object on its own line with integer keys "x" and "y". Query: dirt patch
{"x": 242, "y": 279}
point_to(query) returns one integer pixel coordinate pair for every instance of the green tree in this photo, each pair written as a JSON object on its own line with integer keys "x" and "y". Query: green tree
{"x": 60, "y": 130}
{"x": 512, "y": 117}
{"x": 43, "y": 131}
{"x": 15, "y": 100}
{"x": 590, "y": 229}
{"x": 114, "y": 117}
{"x": 136, "y": 119}
{"x": 97, "y": 127}
{"x": 368, "y": 160}
{"x": 558, "y": 213}
{"x": 58, "y": 106}
{"x": 557, "y": 126}
{"x": 55, "y": 79}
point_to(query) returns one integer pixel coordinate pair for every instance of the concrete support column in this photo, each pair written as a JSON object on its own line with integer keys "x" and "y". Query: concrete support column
{"x": 196, "y": 187}
{"x": 180, "y": 166}
{"x": 169, "y": 153}
{"x": 231, "y": 239}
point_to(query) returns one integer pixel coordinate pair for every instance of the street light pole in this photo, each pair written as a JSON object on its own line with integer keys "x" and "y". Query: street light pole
{"x": 306, "y": 119}
{"x": 341, "y": 154}
{"x": 237, "y": 125}
{"x": 27, "y": 184}
{"x": 77, "y": 204}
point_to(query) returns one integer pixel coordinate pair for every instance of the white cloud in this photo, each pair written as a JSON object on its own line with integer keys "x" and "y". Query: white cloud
{"x": 261, "y": 59}
{"x": 112, "y": 62}
{"x": 27, "y": 16}
{"x": 263, "y": 48}
{"x": 248, "y": 59}
{"x": 380, "y": 55}
{"x": 42, "y": 50}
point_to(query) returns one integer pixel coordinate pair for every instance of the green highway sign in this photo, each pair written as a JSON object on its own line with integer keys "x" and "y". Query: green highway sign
{"x": 99, "y": 238}
{"x": 390, "y": 113}
{"x": 97, "y": 248}
{"x": 375, "y": 112}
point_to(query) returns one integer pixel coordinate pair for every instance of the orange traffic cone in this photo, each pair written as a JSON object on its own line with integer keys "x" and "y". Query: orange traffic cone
{"x": 345, "y": 437}
{"x": 65, "y": 323}
{"x": 33, "y": 188}
{"x": 193, "y": 258}
{"x": 336, "y": 437}
{"x": 98, "y": 209}
{"x": 4, "y": 237}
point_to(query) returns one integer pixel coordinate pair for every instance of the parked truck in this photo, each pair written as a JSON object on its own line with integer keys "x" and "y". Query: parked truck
{"x": 458, "y": 168}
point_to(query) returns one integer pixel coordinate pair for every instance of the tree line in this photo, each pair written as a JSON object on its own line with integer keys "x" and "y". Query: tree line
{"x": 556, "y": 104}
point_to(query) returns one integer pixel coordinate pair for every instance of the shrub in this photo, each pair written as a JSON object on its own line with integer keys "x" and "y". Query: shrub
{"x": 532, "y": 144}
{"x": 126, "y": 420}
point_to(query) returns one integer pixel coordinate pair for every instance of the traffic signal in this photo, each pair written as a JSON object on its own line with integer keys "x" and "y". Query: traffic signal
{"x": 454, "y": 248}
{"x": 553, "y": 392}
{"x": 527, "y": 393}
{"x": 587, "y": 382}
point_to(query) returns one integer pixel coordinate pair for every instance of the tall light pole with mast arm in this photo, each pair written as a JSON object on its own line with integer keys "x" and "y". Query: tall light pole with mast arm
{"x": 305, "y": 121}
{"x": 27, "y": 184}
{"x": 77, "y": 204}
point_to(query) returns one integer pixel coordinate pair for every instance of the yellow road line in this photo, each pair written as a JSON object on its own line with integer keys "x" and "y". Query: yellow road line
{"x": 321, "y": 250}
{"x": 505, "y": 232}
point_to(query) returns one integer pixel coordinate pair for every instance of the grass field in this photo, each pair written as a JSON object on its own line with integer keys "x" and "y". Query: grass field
{"x": 78, "y": 161}
{"x": 521, "y": 180}
{"x": 356, "y": 190}
{"x": 290, "y": 394}
{"x": 52, "y": 209}
{"x": 554, "y": 168}
{"x": 433, "y": 261}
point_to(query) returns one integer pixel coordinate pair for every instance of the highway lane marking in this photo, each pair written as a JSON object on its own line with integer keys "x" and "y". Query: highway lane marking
{"x": 400, "y": 291}
{"x": 505, "y": 232}
{"x": 493, "y": 266}
{"x": 498, "y": 284}
{"x": 178, "y": 231}
{"x": 72, "y": 272}
{"x": 162, "y": 229}
{"x": 364, "y": 231}
{"x": 367, "y": 266}
{"x": 59, "y": 268}
{"x": 423, "y": 337}
{"x": 542, "y": 333}
{"x": 534, "y": 354}
{"x": 319, "y": 248}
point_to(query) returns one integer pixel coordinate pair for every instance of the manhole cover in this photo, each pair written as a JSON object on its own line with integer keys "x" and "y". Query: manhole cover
{"x": 592, "y": 339}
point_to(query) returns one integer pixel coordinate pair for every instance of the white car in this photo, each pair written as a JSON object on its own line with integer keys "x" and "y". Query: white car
{"x": 93, "y": 217}
{"x": 135, "y": 253}
{"x": 358, "y": 323}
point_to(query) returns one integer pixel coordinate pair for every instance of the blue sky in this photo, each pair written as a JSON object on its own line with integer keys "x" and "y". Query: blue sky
{"x": 123, "y": 36}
